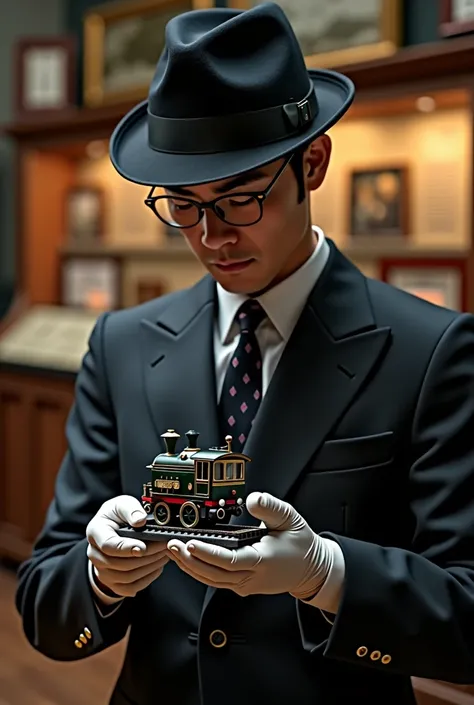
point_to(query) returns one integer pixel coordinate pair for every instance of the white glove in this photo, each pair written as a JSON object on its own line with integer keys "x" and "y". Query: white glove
{"x": 292, "y": 558}
{"x": 124, "y": 566}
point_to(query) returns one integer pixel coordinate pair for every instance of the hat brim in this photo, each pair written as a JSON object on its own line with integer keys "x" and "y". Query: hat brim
{"x": 134, "y": 159}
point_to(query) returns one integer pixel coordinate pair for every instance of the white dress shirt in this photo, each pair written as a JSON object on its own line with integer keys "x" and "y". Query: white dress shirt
{"x": 283, "y": 305}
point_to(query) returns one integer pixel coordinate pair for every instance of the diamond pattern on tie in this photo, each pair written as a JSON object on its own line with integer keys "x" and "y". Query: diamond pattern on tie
{"x": 242, "y": 390}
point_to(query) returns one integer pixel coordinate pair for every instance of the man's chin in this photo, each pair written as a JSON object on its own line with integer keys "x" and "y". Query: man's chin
{"x": 243, "y": 282}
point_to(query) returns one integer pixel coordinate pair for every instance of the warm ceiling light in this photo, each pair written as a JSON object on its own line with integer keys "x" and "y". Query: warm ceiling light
{"x": 426, "y": 104}
{"x": 96, "y": 149}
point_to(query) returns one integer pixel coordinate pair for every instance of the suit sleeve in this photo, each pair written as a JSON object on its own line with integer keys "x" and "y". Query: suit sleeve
{"x": 412, "y": 611}
{"x": 54, "y": 597}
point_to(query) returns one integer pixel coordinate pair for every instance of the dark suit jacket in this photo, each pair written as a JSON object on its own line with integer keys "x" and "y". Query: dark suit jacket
{"x": 367, "y": 428}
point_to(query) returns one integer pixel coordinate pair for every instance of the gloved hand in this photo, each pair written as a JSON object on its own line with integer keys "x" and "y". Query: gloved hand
{"x": 292, "y": 558}
{"x": 123, "y": 566}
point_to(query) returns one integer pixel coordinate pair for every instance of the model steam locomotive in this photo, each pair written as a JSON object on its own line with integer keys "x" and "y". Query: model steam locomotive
{"x": 195, "y": 487}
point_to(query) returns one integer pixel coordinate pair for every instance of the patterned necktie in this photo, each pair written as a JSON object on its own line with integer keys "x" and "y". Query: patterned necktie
{"x": 242, "y": 389}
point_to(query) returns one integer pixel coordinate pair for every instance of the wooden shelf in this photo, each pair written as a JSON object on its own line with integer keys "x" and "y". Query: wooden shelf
{"x": 98, "y": 122}
{"x": 427, "y": 65}
{"x": 173, "y": 253}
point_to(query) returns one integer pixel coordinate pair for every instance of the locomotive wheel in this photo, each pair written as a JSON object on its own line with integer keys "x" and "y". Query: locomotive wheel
{"x": 147, "y": 507}
{"x": 161, "y": 513}
{"x": 189, "y": 515}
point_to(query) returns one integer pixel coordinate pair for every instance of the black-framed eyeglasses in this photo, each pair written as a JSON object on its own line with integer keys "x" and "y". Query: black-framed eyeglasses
{"x": 241, "y": 208}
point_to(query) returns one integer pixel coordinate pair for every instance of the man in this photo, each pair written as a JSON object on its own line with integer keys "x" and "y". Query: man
{"x": 354, "y": 400}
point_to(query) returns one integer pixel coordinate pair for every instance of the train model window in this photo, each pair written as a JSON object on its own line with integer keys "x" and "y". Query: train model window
{"x": 202, "y": 471}
{"x": 228, "y": 471}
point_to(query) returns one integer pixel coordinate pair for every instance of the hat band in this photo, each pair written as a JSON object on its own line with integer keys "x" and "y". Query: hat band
{"x": 230, "y": 132}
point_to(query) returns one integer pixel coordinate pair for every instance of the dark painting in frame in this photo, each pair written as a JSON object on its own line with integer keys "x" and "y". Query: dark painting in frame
{"x": 378, "y": 202}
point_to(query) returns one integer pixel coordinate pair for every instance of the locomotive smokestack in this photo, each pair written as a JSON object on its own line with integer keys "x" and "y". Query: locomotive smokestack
{"x": 192, "y": 437}
{"x": 171, "y": 438}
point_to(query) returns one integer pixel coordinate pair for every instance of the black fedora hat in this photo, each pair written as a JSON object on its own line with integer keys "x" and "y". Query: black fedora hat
{"x": 231, "y": 92}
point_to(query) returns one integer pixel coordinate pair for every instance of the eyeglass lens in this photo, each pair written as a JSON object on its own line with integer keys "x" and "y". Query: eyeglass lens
{"x": 235, "y": 210}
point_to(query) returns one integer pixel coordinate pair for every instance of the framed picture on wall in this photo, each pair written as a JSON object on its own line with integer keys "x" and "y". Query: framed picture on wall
{"x": 45, "y": 76}
{"x": 90, "y": 282}
{"x": 337, "y": 33}
{"x": 456, "y": 17}
{"x": 378, "y": 201}
{"x": 442, "y": 282}
{"x": 148, "y": 289}
{"x": 122, "y": 44}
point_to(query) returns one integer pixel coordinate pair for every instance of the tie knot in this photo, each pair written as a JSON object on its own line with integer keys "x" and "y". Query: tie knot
{"x": 250, "y": 315}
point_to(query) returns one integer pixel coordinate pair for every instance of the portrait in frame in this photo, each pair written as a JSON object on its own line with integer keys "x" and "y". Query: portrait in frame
{"x": 378, "y": 202}
{"x": 344, "y": 32}
{"x": 456, "y": 17}
{"x": 122, "y": 44}
{"x": 85, "y": 214}
{"x": 440, "y": 281}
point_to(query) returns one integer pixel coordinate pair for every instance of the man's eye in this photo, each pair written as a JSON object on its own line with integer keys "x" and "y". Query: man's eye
{"x": 182, "y": 206}
{"x": 241, "y": 201}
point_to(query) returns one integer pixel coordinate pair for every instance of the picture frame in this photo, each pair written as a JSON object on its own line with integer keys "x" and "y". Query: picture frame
{"x": 148, "y": 289}
{"x": 121, "y": 47}
{"x": 456, "y": 17}
{"x": 45, "y": 83}
{"x": 85, "y": 213}
{"x": 379, "y": 202}
{"x": 91, "y": 282}
{"x": 441, "y": 281}
{"x": 376, "y": 29}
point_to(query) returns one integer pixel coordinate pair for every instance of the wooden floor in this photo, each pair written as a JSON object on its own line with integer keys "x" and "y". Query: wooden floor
{"x": 27, "y": 678}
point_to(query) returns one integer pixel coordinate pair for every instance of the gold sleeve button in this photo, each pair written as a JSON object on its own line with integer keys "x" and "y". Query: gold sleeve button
{"x": 78, "y": 644}
{"x": 375, "y": 655}
{"x": 386, "y": 659}
{"x": 83, "y": 638}
{"x": 87, "y": 632}
{"x": 362, "y": 651}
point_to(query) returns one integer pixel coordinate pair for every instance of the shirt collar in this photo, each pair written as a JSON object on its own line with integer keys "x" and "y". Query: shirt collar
{"x": 285, "y": 301}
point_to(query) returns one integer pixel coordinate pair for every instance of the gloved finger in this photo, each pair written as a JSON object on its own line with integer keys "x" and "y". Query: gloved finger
{"x": 208, "y": 574}
{"x": 276, "y": 514}
{"x": 111, "y": 577}
{"x": 124, "y": 509}
{"x": 245, "y": 558}
{"x": 223, "y": 582}
{"x": 101, "y": 534}
{"x": 131, "y": 589}
{"x": 127, "y": 562}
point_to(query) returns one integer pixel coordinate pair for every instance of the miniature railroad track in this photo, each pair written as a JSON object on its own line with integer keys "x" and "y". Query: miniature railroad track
{"x": 224, "y": 535}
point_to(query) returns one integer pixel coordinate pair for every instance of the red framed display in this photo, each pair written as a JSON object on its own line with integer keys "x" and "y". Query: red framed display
{"x": 456, "y": 17}
{"x": 441, "y": 281}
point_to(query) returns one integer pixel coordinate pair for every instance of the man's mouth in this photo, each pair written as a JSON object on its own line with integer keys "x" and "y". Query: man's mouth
{"x": 233, "y": 265}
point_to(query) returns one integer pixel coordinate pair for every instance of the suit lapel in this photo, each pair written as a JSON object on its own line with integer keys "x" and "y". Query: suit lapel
{"x": 179, "y": 376}
{"x": 327, "y": 361}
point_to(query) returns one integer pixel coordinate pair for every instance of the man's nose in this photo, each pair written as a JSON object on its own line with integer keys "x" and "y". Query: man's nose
{"x": 216, "y": 233}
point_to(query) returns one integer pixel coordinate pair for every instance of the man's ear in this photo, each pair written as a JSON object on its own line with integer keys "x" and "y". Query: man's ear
{"x": 316, "y": 161}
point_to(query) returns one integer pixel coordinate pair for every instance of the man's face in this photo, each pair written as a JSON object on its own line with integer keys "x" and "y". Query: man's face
{"x": 251, "y": 259}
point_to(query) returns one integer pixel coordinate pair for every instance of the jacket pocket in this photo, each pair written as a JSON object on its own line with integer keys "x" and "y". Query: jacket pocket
{"x": 355, "y": 453}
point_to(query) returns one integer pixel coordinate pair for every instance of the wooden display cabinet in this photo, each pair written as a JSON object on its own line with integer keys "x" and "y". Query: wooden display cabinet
{"x": 34, "y": 403}
{"x": 33, "y": 410}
